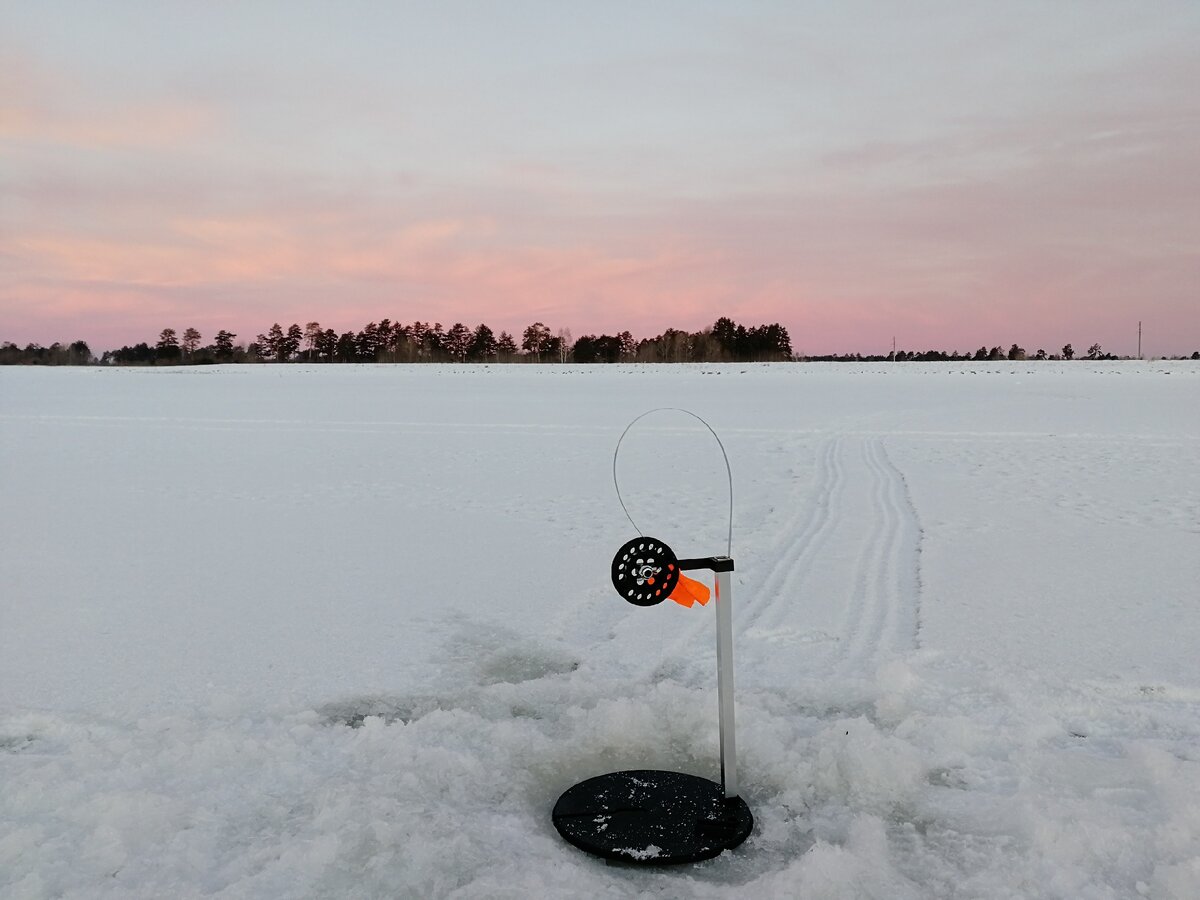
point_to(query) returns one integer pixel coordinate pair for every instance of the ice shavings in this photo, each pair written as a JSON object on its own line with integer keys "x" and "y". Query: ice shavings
{"x": 650, "y": 851}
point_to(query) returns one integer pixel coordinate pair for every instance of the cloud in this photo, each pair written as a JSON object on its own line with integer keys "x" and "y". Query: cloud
{"x": 1038, "y": 251}
{"x": 1028, "y": 203}
{"x": 40, "y": 107}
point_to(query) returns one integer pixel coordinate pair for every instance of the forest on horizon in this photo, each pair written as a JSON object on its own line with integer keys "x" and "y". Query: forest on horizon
{"x": 423, "y": 342}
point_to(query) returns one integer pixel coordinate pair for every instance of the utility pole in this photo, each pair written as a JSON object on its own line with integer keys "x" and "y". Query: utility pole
{"x": 1139, "y": 340}
{"x": 893, "y": 348}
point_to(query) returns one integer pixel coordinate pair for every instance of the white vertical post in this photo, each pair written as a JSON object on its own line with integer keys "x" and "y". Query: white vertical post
{"x": 725, "y": 683}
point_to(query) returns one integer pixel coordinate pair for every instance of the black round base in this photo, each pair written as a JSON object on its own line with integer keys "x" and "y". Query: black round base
{"x": 652, "y": 818}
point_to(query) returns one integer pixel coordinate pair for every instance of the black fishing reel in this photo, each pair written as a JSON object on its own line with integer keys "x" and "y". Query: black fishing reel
{"x": 645, "y": 571}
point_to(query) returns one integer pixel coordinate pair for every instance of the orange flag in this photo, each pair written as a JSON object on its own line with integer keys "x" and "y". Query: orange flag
{"x": 689, "y": 591}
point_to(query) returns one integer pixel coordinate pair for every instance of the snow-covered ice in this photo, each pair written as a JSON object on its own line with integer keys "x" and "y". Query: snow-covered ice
{"x": 347, "y": 631}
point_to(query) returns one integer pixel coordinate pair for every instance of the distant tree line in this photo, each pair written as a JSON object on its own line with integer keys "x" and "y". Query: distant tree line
{"x": 394, "y": 342}
{"x": 983, "y": 354}
{"x": 76, "y": 354}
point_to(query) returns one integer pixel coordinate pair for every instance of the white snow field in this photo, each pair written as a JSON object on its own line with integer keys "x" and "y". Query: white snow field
{"x": 274, "y": 632}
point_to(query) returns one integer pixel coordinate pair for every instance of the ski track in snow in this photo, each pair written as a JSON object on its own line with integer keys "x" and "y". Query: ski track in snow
{"x": 784, "y": 585}
{"x": 879, "y": 616}
{"x": 804, "y": 538}
{"x": 883, "y": 611}
{"x": 766, "y": 610}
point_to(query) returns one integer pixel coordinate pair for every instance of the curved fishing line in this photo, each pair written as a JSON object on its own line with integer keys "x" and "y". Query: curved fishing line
{"x": 716, "y": 437}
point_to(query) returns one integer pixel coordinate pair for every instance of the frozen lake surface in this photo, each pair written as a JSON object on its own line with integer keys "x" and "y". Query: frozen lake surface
{"x": 347, "y": 631}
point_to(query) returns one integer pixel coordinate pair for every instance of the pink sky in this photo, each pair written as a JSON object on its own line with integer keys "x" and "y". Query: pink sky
{"x": 945, "y": 177}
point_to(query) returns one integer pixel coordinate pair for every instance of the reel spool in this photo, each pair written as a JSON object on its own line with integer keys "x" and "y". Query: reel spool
{"x": 645, "y": 571}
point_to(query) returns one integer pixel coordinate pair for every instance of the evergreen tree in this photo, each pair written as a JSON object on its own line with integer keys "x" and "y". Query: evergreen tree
{"x": 435, "y": 340}
{"x": 276, "y": 343}
{"x": 506, "y": 346}
{"x": 347, "y": 347}
{"x": 535, "y": 340}
{"x": 417, "y": 333}
{"x": 223, "y": 344}
{"x": 291, "y": 341}
{"x": 483, "y": 344}
{"x": 403, "y": 347}
{"x": 458, "y": 342}
{"x": 167, "y": 347}
{"x": 326, "y": 345}
{"x": 312, "y": 337}
{"x": 724, "y": 331}
{"x": 367, "y": 343}
{"x": 384, "y": 338}
{"x": 592, "y": 349}
{"x": 629, "y": 346}
{"x": 79, "y": 354}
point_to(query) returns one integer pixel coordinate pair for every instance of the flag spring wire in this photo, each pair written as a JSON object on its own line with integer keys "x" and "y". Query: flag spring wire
{"x": 728, "y": 470}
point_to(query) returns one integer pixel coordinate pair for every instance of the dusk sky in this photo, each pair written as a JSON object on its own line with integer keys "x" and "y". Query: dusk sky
{"x": 952, "y": 174}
